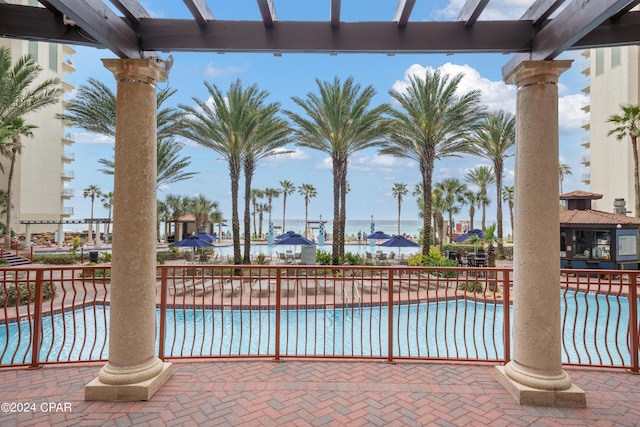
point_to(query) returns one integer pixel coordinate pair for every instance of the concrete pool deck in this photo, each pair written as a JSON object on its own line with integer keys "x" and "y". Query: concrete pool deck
{"x": 315, "y": 393}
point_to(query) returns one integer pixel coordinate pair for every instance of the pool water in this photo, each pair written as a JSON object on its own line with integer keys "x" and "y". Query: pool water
{"x": 455, "y": 329}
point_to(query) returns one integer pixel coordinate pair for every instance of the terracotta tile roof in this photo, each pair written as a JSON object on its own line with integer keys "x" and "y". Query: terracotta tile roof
{"x": 578, "y": 194}
{"x": 595, "y": 217}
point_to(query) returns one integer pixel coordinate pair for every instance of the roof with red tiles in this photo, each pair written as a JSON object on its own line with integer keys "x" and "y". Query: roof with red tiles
{"x": 586, "y": 216}
{"x": 578, "y": 194}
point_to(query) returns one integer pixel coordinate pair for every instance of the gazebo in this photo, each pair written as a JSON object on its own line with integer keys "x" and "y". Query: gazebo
{"x": 597, "y": 239}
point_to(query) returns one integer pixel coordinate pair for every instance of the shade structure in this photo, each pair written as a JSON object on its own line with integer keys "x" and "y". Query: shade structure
{"x": 378, "y": 235}
{"x": 468, "y": 234}
{"x": 206, "y": 236}
{"x": 193, "y": 241}
{"x": 286, "y": 234}
{"x": 294, "y": 239}
{"x": 399, "y": 242}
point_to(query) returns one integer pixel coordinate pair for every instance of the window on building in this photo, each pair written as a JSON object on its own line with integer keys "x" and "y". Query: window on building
{"x": 599, "y": 61}
{"x": 53, "y": 56}
{"x": 615, "y": 56}
{"x": 33, "y": 49}
{"x": 592, "y": 244}
{"x": 563, "y": 242}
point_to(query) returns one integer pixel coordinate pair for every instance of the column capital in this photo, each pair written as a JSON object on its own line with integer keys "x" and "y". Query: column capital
{"x": 145, "y": 70}
{"x": 528, "y": 72}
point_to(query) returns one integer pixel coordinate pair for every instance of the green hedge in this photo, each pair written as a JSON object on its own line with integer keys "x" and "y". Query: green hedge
{"x": 21, "y": 294}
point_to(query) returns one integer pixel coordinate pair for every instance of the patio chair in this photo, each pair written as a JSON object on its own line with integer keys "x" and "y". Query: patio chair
{"x": 287, "y": 287}
{"x": 261, "y": 287}
{"x": 370, "y": 286}
{"x": 308, "y": 286}
{"x": 231, "y": 287}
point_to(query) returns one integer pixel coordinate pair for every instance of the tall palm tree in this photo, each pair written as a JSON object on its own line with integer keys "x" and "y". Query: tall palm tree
{"x": 177, "y": 206}
{"x": 270, "y": 135}
{"x": 270, "y": 194}
{"x": 21, "y": 91}
{"x": 107, "y": 203}
{"x": 308, "y": 191}
{"x": 508, "y": 195}
{"x": 399, "y": 190}
{"x": 339, "y": 121}
{"x": 10, "y": 148}
{"x": 452, "y": 194}
{"x": 163, "y": 216}
{"x": 201, "y": 208}
{"x": 628, "y": 124}
{"x": 94, "y": 110}
{"x": 93, "y": 192}
{"x": 564, "y": 169}
{"x": 287, "y": 189}
{"x": 262, "y": 209}
{"x": 495, "y": 141}
{"x": 434, "y": 123}
{"x": 438, "y": 206}
{"x": 483, "y": 177}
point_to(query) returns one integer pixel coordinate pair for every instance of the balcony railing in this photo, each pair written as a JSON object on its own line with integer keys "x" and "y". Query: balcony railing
{"x": 287, "y": 312}
{"x": 68, "y": 174}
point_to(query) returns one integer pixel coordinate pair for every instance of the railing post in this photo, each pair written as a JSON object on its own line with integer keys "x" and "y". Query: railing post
{"x": 633, "y": 321}
{"x": 37, "y": 321}
{"x": 390, "y": 317}
{"x": 278, "y": 312}
{"x": 163, "y": 311}
{"x": 506, "y": 311}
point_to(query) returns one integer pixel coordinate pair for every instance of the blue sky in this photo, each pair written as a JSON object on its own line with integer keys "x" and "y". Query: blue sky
{"x": 371, "y": 176}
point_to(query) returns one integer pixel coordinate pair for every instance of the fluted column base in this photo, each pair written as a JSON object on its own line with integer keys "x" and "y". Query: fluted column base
{"x": 552, "y": 390}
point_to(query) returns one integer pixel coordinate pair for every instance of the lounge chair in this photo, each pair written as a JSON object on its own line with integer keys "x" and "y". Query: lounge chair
{"x": 326, "y": 287}
{"x": 231, "y": 287}
{"x": 370, "y": 286}
{"x": 308, "y": 286}
{"x": 261, "y": 287}
{"x": 287, "y": 287}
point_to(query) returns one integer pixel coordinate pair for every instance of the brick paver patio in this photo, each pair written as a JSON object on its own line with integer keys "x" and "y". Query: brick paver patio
{"x": 315, "y": 393}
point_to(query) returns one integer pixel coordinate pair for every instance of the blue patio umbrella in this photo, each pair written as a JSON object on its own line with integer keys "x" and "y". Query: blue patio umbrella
{"x": 468, "y": 234}
{"x": 193, "y": 241}
{"x": 287, "y": 234}
{"x": 399, "y": 242}
{"x": 378, "y": 235}
{"x": 294, "y": 239}
{"x": 206, "y": 236}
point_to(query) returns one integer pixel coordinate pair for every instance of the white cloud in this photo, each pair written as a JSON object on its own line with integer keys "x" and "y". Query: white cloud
{"x": 293, "y": 154}
{"x": 91, "y": 138}
{"x": 215, "y": 72}
{"x": 570, "y": 112}
{"x": 496, "y": 95}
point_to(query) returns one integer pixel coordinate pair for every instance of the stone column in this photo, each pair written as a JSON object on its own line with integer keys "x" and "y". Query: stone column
{"x": 133, "y": 371}
{"x": 535, "y": 375}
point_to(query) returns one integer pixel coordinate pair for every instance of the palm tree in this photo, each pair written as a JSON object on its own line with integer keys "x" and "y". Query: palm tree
{"x": 201, "y": 208}
{"x": 508, "y": 195}
{"x": 308, "y": 191}
{"x": 398, "y": 191}
{"x": 92, "y": 191}
{"x": 19, "y": 92}
{"x": 262, "y": 208}
{"x": 495, "y": 141}
{"x": 452, "y": 193}
{"x": 270, "y": 194}
{"x": 107, "y": 203}
{"x": 94, "y": 110}
{"x": 340, "y": 123}
{"x": 435, "y": 123}
{"x": 224, "y": 123}
{"x": 471, "y": 198}
{"x": 254, "y": 195}
{"x": 177, "y": 207}
{"x": 287, "y": 189}
{"x": 628, "y": 124}
{"x": 564, "y": 169}
{"x": 163, "y": 216}
{"x": 438, "y": 205}
{"x": 482, "y": 176}
{"x": 11, "y": 148}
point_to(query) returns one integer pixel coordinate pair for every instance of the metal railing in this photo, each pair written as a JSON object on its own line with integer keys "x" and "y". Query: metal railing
{"x": 283, "y": 312}
{"x": 17, "y": 247}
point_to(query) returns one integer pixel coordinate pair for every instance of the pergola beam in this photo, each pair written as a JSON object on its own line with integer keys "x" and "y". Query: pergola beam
{"x": 200, "y": 11}
{"x": 541, "y": 10}
{"x": 403, "y": 12}
{"x": 131, "y": 9}
{"x": 335, "y": 13}
{"x": 471, "y": 10}
{"x": 98, "y": 21}
{"x": 268, "y": 12}
{"x": 572, "y": 24}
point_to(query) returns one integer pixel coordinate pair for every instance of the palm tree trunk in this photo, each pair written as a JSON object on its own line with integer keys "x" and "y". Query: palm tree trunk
{"x": 335, "y": 244}
{"x": 7, "y": 241}
{"x": 343, "y": 207}
{"x": 427, "y": 175}
{"x": 498, "y": 170}
{"x": 636, "y": 177}
{"x": 247, "y": 218}
{"x": 399, "y": 206}
{"x": 235, "y": 219}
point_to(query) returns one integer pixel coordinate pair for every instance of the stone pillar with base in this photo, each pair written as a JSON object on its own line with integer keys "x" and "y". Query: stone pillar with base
{"x": 535, "y": 376}
{"x": 133, "y": 371}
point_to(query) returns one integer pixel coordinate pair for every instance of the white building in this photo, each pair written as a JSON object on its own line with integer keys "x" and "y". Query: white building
{"x": 613, "y": 81}
{"x": 42, "y": 177}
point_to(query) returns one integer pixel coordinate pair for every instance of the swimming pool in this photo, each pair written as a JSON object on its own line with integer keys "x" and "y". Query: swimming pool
{"x": 594, "y": 329}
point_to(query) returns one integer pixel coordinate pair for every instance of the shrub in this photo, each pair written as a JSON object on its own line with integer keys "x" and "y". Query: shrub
{"x": 354, "y": 259}
{"x": 23, "y": 294}
{"x": 106, "y": 256}
{"x": 4, "y": 261}
{"x": 323, "y": 257}
{"x": 56, "y": 259}
{"x": 471, "y": 287}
